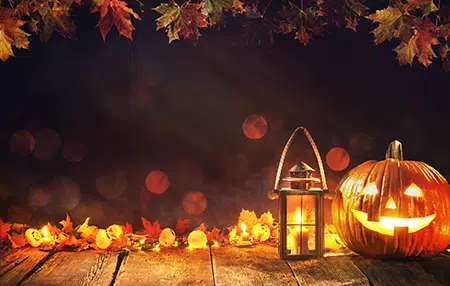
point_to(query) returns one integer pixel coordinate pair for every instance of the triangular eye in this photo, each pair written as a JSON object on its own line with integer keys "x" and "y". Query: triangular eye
{"x": 414, "y": 191}
{"x": 370, "y": 189}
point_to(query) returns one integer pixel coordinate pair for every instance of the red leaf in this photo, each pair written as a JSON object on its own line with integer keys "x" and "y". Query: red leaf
{"x": 182, "y": 225}
{"x": 4, "y": 228}
{"x": 18, "y": 240}
{"x": 213, "y": 235}
{"x": 154, "y": 230}
{"x": 115, "y": 12}
{"x": 127, "y": 228}
{"x": 202, "y": 227}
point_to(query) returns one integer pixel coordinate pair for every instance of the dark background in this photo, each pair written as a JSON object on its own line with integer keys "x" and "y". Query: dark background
{"x": 185, "y": 118}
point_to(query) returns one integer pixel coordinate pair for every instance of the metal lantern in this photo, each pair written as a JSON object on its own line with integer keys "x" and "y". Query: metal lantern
{"x": 301, "y": 217}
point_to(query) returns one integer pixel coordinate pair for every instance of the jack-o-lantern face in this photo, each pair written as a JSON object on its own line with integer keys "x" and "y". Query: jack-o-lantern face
{"x": 393, "y": 208}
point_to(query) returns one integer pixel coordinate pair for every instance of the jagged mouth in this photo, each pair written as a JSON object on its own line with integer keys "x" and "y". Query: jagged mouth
{"x": 386, "y": 225}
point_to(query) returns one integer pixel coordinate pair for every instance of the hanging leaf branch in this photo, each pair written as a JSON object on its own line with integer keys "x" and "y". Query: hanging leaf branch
{"x": 419, "y": 28}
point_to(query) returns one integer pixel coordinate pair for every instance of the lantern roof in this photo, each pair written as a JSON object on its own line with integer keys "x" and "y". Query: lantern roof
{"x": 301, "y": 167}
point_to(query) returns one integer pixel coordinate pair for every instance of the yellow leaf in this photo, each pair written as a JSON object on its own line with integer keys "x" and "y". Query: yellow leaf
{"x": 5, "y": 46}
{"x": 248, "y": 217}
{"x": 87, "y": 232}
{"x": 267, "y": 219}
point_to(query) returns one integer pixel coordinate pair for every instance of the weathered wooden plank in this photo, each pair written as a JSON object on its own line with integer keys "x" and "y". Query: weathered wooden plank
{"x": 18, "y": 263}
{"x": 76, "y": 268}
{"x": 337, "y": 270}
{"x": 439, "y": 267}
{"x": 258, "y": 265}
{"x": 394, "y": 272}
{"x": 179, "y": 266}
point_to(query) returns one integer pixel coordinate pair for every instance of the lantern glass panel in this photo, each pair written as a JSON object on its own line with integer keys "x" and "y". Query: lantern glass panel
{"x": 301, "y": 224}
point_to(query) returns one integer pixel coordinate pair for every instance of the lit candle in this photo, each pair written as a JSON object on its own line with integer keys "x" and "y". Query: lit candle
{"x": 47, "y": 241}
{"x": 245, "y": 236}
{"x": 298, "y": 244}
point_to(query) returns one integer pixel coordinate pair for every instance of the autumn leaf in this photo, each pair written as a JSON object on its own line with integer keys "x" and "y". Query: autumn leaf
{"x": 10, "y": 34}
{"x": 127, "y": 228}
{"x": 390, "y": 20}
{"x": 213, "y": 235}
{"x": 57, "y": 19}
{"x": 182, "y": 225}
{"x": 215, "y": 9}
{"x": 184, "y": 20}
{"x": 425, "y": 6}
{"x": 249, "y": 218}
{"x": 17, "y": 240}
{"x": 115, "y": 12}
{"x": 86, "y": 231}
{"x": 340, "y": 12}
{"x": 120, "y": 243}
{"x": 202, "y": 227}
{"x": 267, "y": 219}
{"x": 67, "y": 224}
{"x": 4, "y": 228}
{"x": 152, "y": 231}
{"x": 305, "y": 22}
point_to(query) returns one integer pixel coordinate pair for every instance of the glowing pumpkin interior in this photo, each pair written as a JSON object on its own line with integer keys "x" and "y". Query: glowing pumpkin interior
{"x": 387, "y": 224}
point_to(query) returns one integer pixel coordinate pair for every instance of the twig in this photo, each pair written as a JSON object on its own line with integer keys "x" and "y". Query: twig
{"x": 265, "y": 9}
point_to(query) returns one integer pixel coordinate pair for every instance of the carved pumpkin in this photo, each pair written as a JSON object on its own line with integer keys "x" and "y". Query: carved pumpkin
{"x": 103, "y": 239}
{"x": 34, "y": 237}
{"x": 393, "y": 208}
{"x": 167, "y": 237}
{"x": 260, "y": 232}
{"x": 114, "y": 231}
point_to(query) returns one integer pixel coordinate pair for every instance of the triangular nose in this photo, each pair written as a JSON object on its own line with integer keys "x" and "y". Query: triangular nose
{"x": 391, "y": 204}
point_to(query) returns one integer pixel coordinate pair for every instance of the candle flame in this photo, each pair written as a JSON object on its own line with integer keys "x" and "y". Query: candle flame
{"x": 298, "y": 216}
{"x": 243, "y": 227}
{"x": 45, "y": 231}
{"x": 175, "y": 244}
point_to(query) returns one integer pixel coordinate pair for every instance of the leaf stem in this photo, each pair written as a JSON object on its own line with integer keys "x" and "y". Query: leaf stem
{"x": 265, "y": 9}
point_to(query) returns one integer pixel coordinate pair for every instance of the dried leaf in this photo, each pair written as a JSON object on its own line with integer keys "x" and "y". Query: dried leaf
{"x": 215, "y": 8}
{"x": 213, "y": 235}
{"x": 342, "y": 12}
{"x": 67, "y": 224}
{"x": 202, "y": 227}
{"x": 4, "y": 228}
{"x": 389, "y": 19}
{"x": 406, "y": 52}
{"x": 184, "y": 20}
{"x": 17, "y": 240}
{"x": 115, "y": 12}
{"x": 127, "y": 228}
{"x": 249, "y": 218}
{"x": 267, "y": 219}
{"x": 87, "y": 232}
{"x": 152, "y": 231}
{"x": 10, "y": 34}
{"x": 182, "y": 225}
{"x": 120, "y": 243}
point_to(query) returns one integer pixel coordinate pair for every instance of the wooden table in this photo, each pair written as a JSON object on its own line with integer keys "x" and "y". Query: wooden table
{"x": 227, "y": 265}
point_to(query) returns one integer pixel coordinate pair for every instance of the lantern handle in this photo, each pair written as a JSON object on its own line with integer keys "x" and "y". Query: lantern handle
{"x": 316, "y": 152}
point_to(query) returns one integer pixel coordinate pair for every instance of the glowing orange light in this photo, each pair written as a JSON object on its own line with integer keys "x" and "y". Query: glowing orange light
{"x": 391, "y": 204}
{"x": 414, "y": 191}
{"x": 243, "y": 227}
{"x": 254, "y": 127}
{"x": 175, "y": 244}
{"x": 194, "y": 203}
{"x": 298, "y": 216}
{"x": 45, "y": 231}
{"x": 190, "y": 247}
{"x": 370, "y": 189}
{"x": 338, "y": 159}
{"x": 216, "y": 243}
{"x": 157, "y": 182}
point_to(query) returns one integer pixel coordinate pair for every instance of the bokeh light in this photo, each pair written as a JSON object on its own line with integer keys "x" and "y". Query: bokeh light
{"x": 157, "y": 182}
{"x": 74, "y": 151}
{"x": 39, "y": 197}
{"x": 65, "y": 193}
{"x": 194, "y": 203}
{"x": 338, "y": 159}
{"x": 90, "y": 208}
{"x": 48, "y": 144}
{"x": 113, "y": 185}
{"x": 255, "y": 127}
{"x": 22, "y": 143}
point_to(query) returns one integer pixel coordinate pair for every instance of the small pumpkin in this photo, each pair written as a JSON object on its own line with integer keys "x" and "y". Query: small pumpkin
{"x": 34, "y": 237}
{"x": 167, "y": 237}
{"x": 393, "y": 208}
{"x": 260, "y": 232}
{"x": 114, "y": 231}
{"x": 103, "y": 239}
{"x": 197, "y": 239}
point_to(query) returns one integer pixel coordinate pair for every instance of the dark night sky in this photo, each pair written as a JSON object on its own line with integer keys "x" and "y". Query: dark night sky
{"x": 191, "y": 102}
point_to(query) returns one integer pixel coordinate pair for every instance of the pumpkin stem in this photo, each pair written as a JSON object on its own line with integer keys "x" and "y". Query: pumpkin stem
{"x": 395, "y": 151}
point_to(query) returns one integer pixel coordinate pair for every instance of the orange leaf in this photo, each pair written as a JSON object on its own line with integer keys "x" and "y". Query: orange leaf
{"x": 115, "y": 12}
{"x": 127, "y": 228}
{"x": 4, "y": 228}
{"x": 202, "y": 227}
{"x": 67, "y": 224}
{"x": 18, "y": 240}
{"x": 154, "y": 230}
{"x": 213, "y": 235}
{"x": 182, "y": 225}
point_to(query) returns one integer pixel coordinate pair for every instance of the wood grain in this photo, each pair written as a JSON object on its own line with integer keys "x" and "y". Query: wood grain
{"x": 259, "y": 265}
{"x": 394, "y": 273}
{"x": 18, "y": 263}
{"x": 337, "y": 270}
{"x": 439, "y": 267}
{"x": 76, "y": 268}
{"x": 179, "y": 266}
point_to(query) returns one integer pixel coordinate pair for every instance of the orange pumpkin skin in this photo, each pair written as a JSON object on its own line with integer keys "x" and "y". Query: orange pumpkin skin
{"x": 389, "y": 193}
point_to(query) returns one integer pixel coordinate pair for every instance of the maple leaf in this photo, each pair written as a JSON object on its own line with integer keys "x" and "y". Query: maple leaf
{"x": 4, "y": 228}
{"x": 184, "y": 20}
{"x": 182, "y": 225}
{"x": 57, "y": 18}
{"x": 127, "y": 228}
{"x": 306, "y": 22}
{"x": 340, "y": 12}
{"x": 120, "y": 243}
{"x": 67, "y": 224}
{"x": 152, "y": 231}
{"x": 17, "y": 240}
{"x": 249, "y": 218}
{"x": 88, "y": 232}
{"x": 213, "y": 235}
{"x": 267, "y": 219}
{"x": 425, "y": 6}
{"x": 215, "y": 9}
{"x": 115, "y": 12}
{"x": 389, "y": 19}
{"x": 256, "y": 28}
{"x": 11, "y": 34}
{"x": 202, "y": 227}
